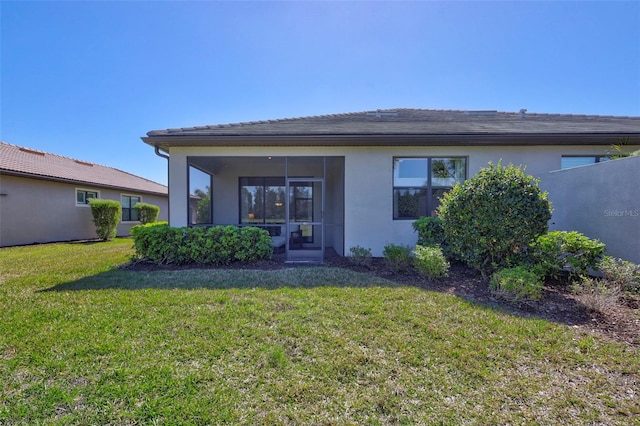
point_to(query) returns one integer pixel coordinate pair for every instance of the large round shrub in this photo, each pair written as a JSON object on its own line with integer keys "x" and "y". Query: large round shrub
{"x": 491, "y": 219}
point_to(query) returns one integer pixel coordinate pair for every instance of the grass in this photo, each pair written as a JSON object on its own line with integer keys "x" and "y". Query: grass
{"x": 83, "y": 342}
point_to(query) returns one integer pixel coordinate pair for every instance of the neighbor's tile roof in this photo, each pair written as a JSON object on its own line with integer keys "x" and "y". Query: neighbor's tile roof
{"x": 418, "y": 122}
{"x": 29, "y": 162}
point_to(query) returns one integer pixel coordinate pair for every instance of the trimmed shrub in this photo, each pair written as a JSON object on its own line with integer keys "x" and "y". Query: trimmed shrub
{"x": 561, "y": 251}
{"x": 430, "y": 231}
{"x": 398, "y": 258}
{"x": 106, "y": 216}
{"x": 218, "y": 245}
{"x": 620, "y": 273}
{"x": 360, "y": 256}
{"x": 430, "y": 262}
{"x": 516, "y": 284}
{"x": 491, "y": 219}
{"x": 147, "y": 213}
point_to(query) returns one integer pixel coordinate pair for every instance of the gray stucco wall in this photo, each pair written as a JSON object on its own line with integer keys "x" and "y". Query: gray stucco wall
{"x": 40, "y": 211}
{"x": 368, "y": 182}
{"x": 601, "y": 201}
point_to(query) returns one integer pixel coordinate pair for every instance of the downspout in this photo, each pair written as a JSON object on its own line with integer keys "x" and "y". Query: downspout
{"x": 159, "y": 154}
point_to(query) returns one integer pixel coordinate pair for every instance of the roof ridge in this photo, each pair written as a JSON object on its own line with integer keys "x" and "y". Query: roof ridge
{"x": 79, "y": 161}
{"x": 417, "y": 111}
{"x": 27, "y": 149}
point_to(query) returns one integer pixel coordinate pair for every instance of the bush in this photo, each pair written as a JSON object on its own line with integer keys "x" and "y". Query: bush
{"x": 490, "y": 220}
{"x": 516, "y": 284}
{"x": 397, "y": 258}
{"x": 106, "y": 216}
{"x": 360, "y": 256}
{"x": 430, "y": 231}
{"x": 147, "y": 213}
{"x": 620, "y": 273}
{"x": 559, "y": 251}
{"x": 218, "y": 245}
{"x": 596, "y": 295}
{"x": 430, "y": 262}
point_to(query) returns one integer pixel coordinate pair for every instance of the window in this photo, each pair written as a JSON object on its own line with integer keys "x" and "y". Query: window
{"x": 262, "y": 200}
{"x": 129, "y": 214}
{"x": 569, "y": 161}
{"x": 83, "y": 196}
{"x": 419, "y": 183}
{"x": 200, "y": 200}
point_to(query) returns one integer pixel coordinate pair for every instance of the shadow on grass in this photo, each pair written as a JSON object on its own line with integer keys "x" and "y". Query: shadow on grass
{"x": 191, "y": 279}
{"x": 556, "y": 306}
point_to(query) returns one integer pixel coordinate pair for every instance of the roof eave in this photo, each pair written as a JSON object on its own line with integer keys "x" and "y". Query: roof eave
{"x": 164, "y": 142}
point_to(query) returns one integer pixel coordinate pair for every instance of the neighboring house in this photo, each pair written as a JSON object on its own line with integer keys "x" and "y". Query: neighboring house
{"x": 360, "y": 179}
{"x": 44, "y": 197}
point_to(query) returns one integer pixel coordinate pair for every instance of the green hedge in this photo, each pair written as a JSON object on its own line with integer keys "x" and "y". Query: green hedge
{"x": 218, "y": 245}
{"x": 106, "y": 216}
{"x": 147, "y": 213}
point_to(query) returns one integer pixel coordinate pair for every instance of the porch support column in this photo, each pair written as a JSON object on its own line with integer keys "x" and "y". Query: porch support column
{"x": 179, "y": 189}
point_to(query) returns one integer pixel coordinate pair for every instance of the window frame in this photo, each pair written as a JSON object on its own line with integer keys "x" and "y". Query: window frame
{"x": 86, "y": 200}
{"x": 130, "y": 208}
{"x": 428, "y": 188}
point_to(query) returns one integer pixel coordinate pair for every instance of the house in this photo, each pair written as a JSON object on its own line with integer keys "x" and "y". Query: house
{"x": 361, "y": 179}
{"x": 44, "y": 197}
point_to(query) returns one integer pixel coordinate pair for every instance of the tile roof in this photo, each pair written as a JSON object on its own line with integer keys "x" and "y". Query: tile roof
{"x": 416, "y": 122}
{"x": 22, "y": 161}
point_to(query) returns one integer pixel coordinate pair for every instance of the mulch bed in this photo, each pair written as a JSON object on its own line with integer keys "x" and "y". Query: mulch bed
{"x": 620, "y": 322}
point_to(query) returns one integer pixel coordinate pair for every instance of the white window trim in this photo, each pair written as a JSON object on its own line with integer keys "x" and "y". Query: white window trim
{"x": 75, "y": 196}
{"x": 130, "y": 195}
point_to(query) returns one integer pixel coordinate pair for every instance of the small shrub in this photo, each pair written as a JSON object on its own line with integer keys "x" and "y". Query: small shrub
{"x": 430, "y": 231}
{"x": 398, "y": 258}
{"x": 620, "y": 273}
{"x": 596, "y": 295}
{"x": 491, "y": 219}
{"x": 430, "y": 262}
{"x": 516, "y": 284}
{"x": 558, "y": 251}
{"x": 106, "y": 216}
{"x": 360, "y": 256}
{"x": 147, "y": 213}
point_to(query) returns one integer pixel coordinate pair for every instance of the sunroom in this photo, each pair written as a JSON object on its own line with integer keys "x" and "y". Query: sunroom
{"x": 299, "y": 200}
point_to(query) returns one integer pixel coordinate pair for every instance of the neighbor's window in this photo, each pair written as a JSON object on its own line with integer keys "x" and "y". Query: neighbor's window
{"x": 419, "y": 183}
{"x": 83, "y": 196}
{"x": 262, "y": 200}
{"x": 569, "y": 161}
{"x": 129, "y": 214}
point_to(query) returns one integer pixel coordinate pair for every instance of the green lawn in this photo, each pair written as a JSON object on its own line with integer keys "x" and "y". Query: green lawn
{"x": 83, "y": 342}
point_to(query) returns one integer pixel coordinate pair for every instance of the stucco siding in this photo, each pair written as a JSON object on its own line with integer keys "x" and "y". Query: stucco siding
{"x": 368, "y": 182}
{"x": 601, "y": 201}
{"x": 40, "y": 211}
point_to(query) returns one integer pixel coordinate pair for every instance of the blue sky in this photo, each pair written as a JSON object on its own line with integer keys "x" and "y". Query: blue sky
{"x": 88, "y": 79}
